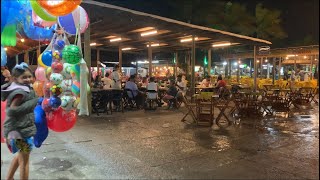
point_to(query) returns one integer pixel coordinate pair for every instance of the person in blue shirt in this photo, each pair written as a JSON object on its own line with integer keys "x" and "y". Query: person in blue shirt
{"x": 138, "y": 95}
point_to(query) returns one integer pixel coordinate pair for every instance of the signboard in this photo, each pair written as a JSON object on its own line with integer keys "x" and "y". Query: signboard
{"x": 264, "y": 50}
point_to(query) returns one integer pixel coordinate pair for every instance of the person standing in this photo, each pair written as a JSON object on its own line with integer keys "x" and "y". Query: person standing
{"x": 19, "y": 127}
{"x": 116, "y": 77}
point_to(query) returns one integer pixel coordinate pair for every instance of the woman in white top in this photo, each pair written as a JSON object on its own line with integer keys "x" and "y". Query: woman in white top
{"x": 107, "y": 82}
{"x": 116, "y": 77}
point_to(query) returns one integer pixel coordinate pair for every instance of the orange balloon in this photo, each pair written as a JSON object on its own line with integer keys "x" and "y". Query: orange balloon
{"x": 38, "y": 87}
{"x": 59, "y": 7}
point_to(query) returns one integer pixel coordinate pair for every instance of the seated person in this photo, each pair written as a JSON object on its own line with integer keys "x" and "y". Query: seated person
{"x": 107, "y": 82}
{"x": 144, "y": 82}
{"x": 221, "y": 84}
{"x": 152, "y": 85}
{"x": 206, "y": 82}
{"x": 138, "y": 95}
{"x": 182, "y": 86}
{"x": 171, "y": 92}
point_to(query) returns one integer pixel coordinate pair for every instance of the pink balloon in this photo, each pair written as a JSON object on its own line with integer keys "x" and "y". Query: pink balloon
{"x": 40, "y": 74}
{"x": 40, "y": 22}
{"x": 61, "y": 120}
{"x": 3, "y": 117}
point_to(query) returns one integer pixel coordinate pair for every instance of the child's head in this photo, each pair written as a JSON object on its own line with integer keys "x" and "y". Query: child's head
{"x": 22, "y": 74}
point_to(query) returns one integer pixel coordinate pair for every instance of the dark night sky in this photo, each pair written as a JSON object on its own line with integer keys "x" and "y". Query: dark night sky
{"x": 299, "y": 17}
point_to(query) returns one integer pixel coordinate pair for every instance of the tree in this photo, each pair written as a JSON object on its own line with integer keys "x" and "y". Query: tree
{"x": 268, "y": 24}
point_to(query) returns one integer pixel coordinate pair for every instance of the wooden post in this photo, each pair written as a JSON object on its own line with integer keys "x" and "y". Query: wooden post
{"x": 176, "y": 64}
{"x": 87, "y": 58}
{"x": 120, "y": 59}
{"x": 26, "y": 57}
{"x": 98, "y": 60}
{"x": 229, "y": 67}
{"x": 238, "y": 71}
{"x": 273, "y": 70}
{"x": 209, "y": 61}
{"x": 255, "y": 69}
{"x": 280, "y": 68}
{"x": 261, "y": 67}
{"x": 295, "y": 63}
{"x": 193, "y": 60}
{"x": 311, "y": 66}
{"x": 150, "y": 59}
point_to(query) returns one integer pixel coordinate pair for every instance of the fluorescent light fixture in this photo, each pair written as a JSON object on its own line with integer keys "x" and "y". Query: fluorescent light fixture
{"x": 291, "y": 55}
{"x": 115, "y": 39}
{"x": 235, "y": 63}
{"x": 241, "y": 66}
{"x": 188, "y": 39}
{"x": 153, "y": 45}
{"x": 5, "y": 49}
{"x": 266, "y": 60}
{"x": 22, "y": 40}
{"x": 224, "y": 63}
{"x": 305, "y": 57}
{"x": 239, "y": 62}
{"x": 287, "y": 57}
{"x": 147, "y": 33}
{"x": 93, "y": 44}
{"x": 146, "y": 62}
{"x": 126, "y": 49}
{"x": 221, "y": 44}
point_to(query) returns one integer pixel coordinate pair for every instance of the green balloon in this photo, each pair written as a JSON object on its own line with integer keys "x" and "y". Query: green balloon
{"x": 41, "y": 12}
{"x": 71, "y": 54}
{"x": 8, "y": 35}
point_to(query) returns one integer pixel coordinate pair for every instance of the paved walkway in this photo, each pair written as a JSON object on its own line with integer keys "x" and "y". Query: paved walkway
{"x": 154, "y": 145}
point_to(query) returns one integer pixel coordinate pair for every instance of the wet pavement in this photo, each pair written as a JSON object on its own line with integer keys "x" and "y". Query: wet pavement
{"x": 157, "y": 145}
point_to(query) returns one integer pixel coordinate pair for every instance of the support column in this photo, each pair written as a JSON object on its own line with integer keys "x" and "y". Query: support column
{"x": 17, "y": 59}
{"x": 229, "y": 67}
{"x": 193, "y": 60}
{"x": 120, "y": 59}
{"x": 250, "y": 71}
{"x": 209, "y": 61}
{"x": 311, "y": 66}
{"x": 26, "y": 57}
{"x": 268, "y": 69}
{"x": 176, "y": 65}
{"x": 98, "y": 62}
{"x": 273, "y": 70}
{"x": 255, "y": 69}
{"x": 87, "y": 58}
{"x": 295, "y": 63}
{"x": 261, "y": 67}
{"x": 238, "y": 70}
{"x": 280, "y": 67}
{"x": 226, "y": 69}
{"x": 150, "y": 59}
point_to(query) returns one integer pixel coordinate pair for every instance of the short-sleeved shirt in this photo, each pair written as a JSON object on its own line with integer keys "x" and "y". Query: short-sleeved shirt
{"x": 152, "y": 86}
{"x": 172, "y": 91}
{"x": 116, "y": 77}
{"x": 133, "y": 86}
{"x": 221, "y": 83}
{"x": 107, "y": 83}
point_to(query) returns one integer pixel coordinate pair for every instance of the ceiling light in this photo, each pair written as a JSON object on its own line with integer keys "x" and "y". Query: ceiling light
{"x": 224, "y": 63}
{"x": 22, "y": 40}
{"x": 266, "y": 60}
{"x": 188, "y": 39}
{"x": 291, "y": 55}
{"x": 305, "y": 57}
{"x": 93, "y": 44}
{"x": 235, "y": 63}
{"x": 153, "y": 45}
{"x": 287, "y": 57}
{"x": 115, "y": 39}
{"x": 5, "y": 49}
{"x": 149, "y": 33}
{"x": 239, "y": 62}
{"x": 221, "y": 44}
{"x": 258, "y": 61}
{"x": 126, "y": 49}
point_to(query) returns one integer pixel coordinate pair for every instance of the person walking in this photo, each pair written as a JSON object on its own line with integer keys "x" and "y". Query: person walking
{"x": 19, "y": 127}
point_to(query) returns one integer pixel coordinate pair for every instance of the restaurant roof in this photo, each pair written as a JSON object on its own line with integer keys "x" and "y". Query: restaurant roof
{"x": 112, "y": 22}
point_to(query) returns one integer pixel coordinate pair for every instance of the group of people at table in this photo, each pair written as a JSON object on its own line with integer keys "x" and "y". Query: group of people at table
{"x": 141, "y": 88}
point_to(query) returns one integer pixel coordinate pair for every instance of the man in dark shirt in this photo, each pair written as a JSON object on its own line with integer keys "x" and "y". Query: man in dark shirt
{"x": 171, "y": 92}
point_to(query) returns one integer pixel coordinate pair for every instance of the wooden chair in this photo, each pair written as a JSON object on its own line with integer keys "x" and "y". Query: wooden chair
{"x": 204, "y": 111}
{"x": 191, "y": 110}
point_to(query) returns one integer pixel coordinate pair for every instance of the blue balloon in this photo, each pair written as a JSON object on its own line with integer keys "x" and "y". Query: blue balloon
{"x": 47, "y": 57}
{"x": 55, "y": 101}
{"x": 41, "y": 124}
{"x": 59, "y": 45}
{"x": 12, "y": 12}
{"x": 3, "y": 57}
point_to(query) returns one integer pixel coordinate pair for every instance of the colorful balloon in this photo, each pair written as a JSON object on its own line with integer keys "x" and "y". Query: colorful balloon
{"x": 42, "y": 13}
{"x": 41, "y": 124}
{"x": 3, "y": 117}
{"x": 56, "y": 78}
{"x": 59, "y": 8}
{"x": 75, "y": 88}
{"x": 8, "y": 35}
{"x": 56, "y": 90}
{"x": 38, "y": 21}
{"x": 71, "y": 54}
{"x": 57, "y": 56}
{"x": 59, "y": 45}
{"x": 46, "y": 104}
{"x": 40, "y": 73}
{"x": 38, "y": 88}
{"x": 70, "y": 22}
{"x": 57, "y": 67}
{"x": 3, "y": 56}
{"x": 67, "y": 102}
{"x": 47, "y": 58}
{"x": 66, "y": 85}
{"x": 66, "y": 70}
{"x": 48, "y": 72}
{"x": 62, "y": 121}
{"x": 46, "y": 89}
{"x": 75, "y": 72}
{"x": 55, "y": 101}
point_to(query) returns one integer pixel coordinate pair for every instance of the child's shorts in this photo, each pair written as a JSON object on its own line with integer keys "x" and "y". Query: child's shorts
{"x": 22, "y": 145}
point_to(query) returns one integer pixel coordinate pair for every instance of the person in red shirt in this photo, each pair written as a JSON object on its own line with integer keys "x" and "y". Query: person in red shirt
{"x": 220, "y": 82}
